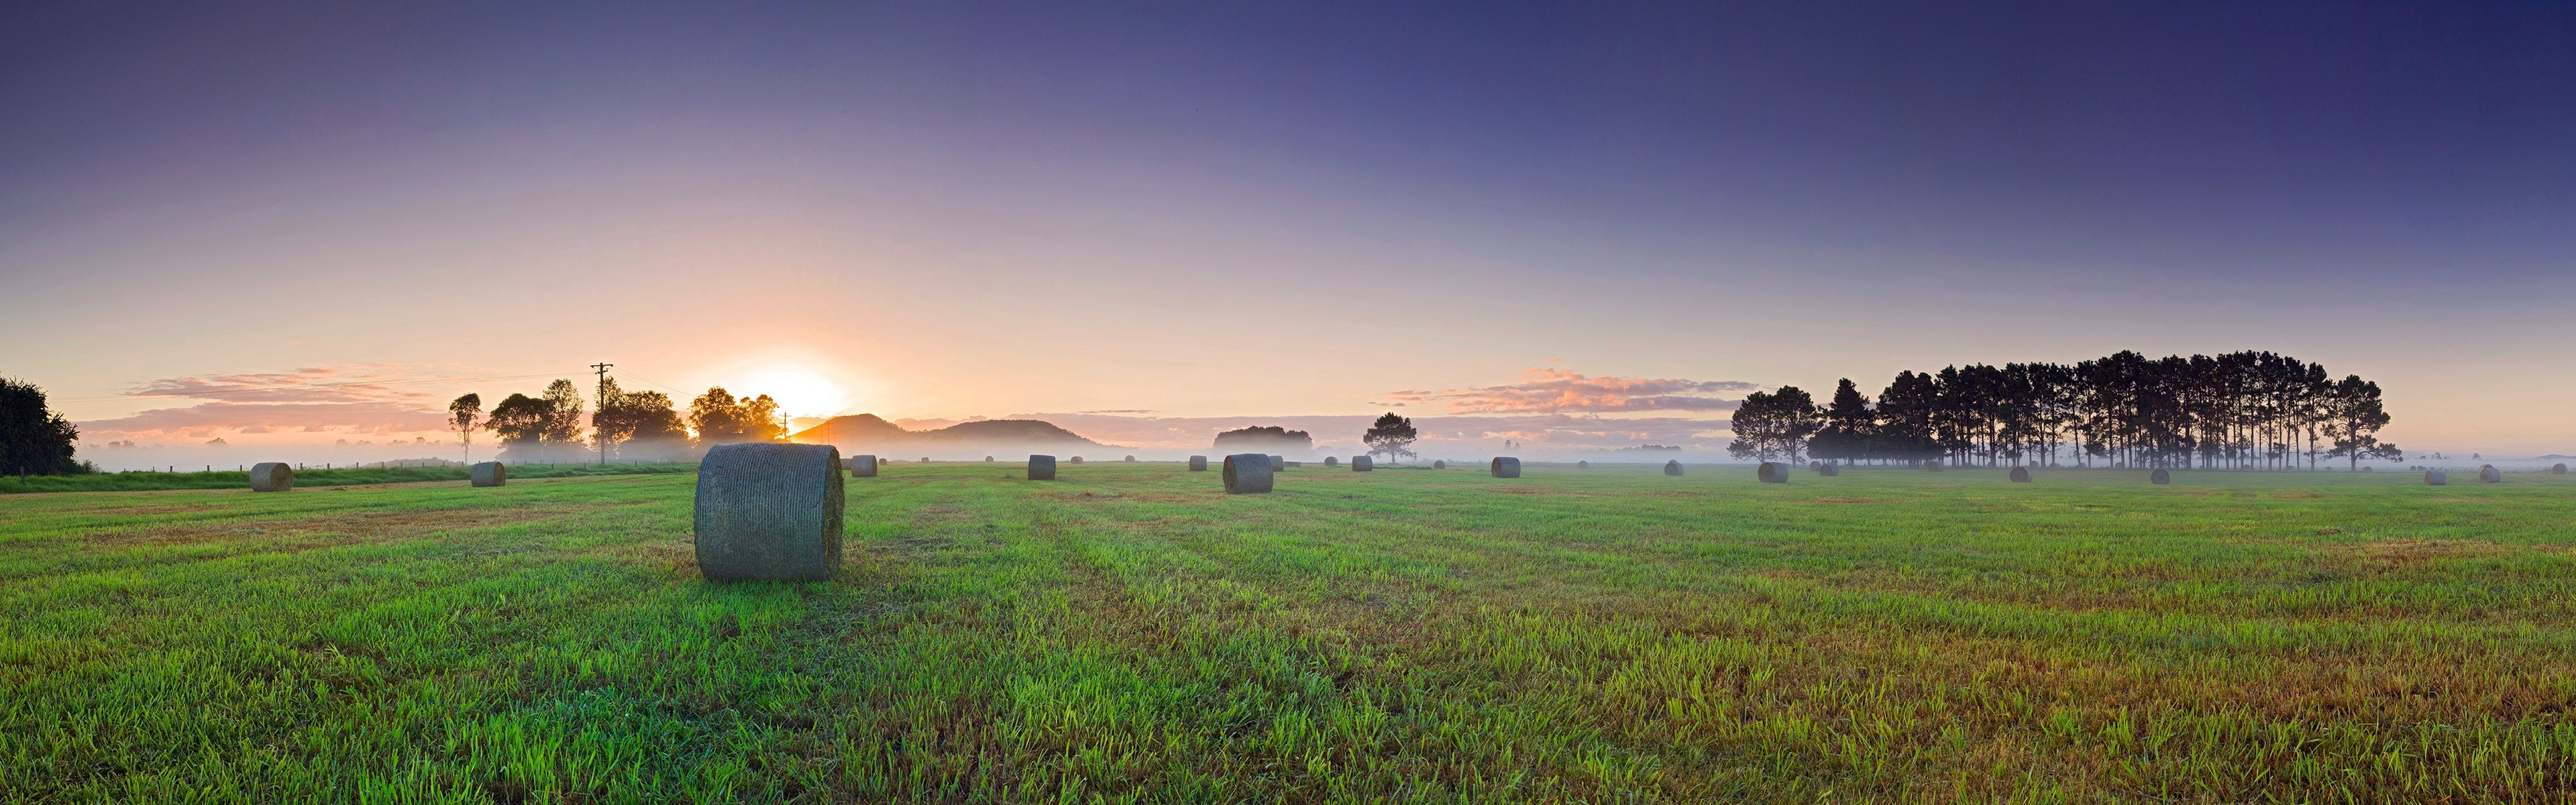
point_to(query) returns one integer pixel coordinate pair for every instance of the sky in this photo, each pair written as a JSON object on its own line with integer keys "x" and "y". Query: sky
{"x": 276, "y": 223}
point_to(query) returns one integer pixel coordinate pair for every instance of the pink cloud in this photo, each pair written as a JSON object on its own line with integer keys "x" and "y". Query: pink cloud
{"x": 1544, "y": 390}
{"x": 365, "y": 399}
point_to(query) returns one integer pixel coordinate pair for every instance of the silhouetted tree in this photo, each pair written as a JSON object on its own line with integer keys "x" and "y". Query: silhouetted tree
{"x": 519, "y": 422}
{"x": 34, "y": 440}
{"x": 1848, "y": 426}
{"x": 563, "y": 415}
{"x": 638, "y": 417}
{"x": 462, "y": 417}
{"x": 719, "y": 418}
{"x": 1774, "y": 424}
{"x": 1391, "y": 436}
{"x": 1265, "y": 438}
{"x": 2354, "y": 417}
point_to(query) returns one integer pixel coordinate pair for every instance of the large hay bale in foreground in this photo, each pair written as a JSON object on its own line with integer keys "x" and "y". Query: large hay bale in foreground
{"x": 1198, "y": 463}
{"x": 1247, "y": 474}
{"x": 2021, "y": 475}
{"x": 1332, "y": 461}
{"x": 2160, "y": 477}
{"x": 1830, "y": 470}
{"x": 769, "y": 512}
{"x": 1278, "y": 463}
{"x": 1507, "y": 467}
{"x": 862, "y": 466}
{"x": 1673, "y": 468}
{"x": 2436, "y": 478}
{"x": 489, "y": 473}
{"x": 1771, "y": 472}
{"x": 1440, "y": 465}
{"x": 271, "y": 476}
{"x": 1363, "y": 463}
{"x": 2490, "y": 475}
{"x": 1041, "y": 468}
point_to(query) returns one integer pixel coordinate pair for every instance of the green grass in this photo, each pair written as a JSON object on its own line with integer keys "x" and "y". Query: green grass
{"x": 141, "y": 481}
{"x": 1131, "y": 634}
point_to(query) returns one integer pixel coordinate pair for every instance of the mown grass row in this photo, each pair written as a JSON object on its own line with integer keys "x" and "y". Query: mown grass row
{"x": 235, "y": 479}
{"x": 1131, "y": 634}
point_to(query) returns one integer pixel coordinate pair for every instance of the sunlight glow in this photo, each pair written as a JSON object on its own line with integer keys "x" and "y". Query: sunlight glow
{"x": 799, "y": 391}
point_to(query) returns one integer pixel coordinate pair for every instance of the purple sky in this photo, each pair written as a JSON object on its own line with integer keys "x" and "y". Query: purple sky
{"x": 1226, "y": 209}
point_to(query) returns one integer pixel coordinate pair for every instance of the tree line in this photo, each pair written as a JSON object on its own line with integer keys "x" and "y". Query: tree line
{"x": 2240, "y": 410}
{"x": 629, "y": 424}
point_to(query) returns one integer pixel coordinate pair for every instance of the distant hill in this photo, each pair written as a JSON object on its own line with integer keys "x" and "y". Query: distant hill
{"x": 870, "y": 430}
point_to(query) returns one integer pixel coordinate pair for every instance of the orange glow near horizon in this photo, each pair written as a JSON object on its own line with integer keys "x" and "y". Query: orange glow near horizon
{"x": 800, "y": 391}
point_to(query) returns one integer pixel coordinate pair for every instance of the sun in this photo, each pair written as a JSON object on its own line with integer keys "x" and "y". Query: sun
{"x": 798, "y": 390}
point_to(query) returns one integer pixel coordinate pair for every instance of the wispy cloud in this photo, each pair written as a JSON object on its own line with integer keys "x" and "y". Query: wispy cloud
{"x": 1544, "y": 390}
{"x": 364, "y": 399}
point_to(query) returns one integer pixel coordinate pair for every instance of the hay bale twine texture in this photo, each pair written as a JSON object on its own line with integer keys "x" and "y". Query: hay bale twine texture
{"x": 2490, "y": 475}
{"x": 1830, "y": 470}
{"x": 1771, "y": 472}
{"x": 1507, "y": 467}
{"x": 1247, "y": 474}
{"x": 271, "y": 476}
{"x": 1363, "y": 464}
{"x": 1439, "y": 465}
{"x": 1673, "y": 468}
{"x": 1042, "y": 468}
{"x": 2436, "y": 478}
{"x": 2160, "y": 477}
{"x": 489, "y": 473}
{"x": 1278, "y": 463}
{"x": 769, "y": 512}
{"x": 1332, "y": 461}
{"x": 862, "y": 466}
{"x": 1198, "y": 463}
{"x": 2021, "y": 475}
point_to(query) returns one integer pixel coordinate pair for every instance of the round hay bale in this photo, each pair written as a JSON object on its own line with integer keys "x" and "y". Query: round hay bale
{"x": 1278, "y": 463}
{"x": 1673, "y": 468}
{"x": 1363, "y": 464}
{"x": 2021, "y": 475}
{"x": 2558, "y": 469}
{"x": 271, "y": 476}
{"x": 1077, "y": 459}
{"x": 1830, "y": 470}
{"x": 1816, "y": 465}
{"x": 988, "y": 459}
{"x": 489, "y": 473}
{"x": 2160, "y": 476}
{"x": 1932, "y": 464}
{"x": 1332, "y": 461}
{"x": 862, "y": 466}
{"x": 1771, "y": 473}
{"x": 1198, "y": 463}
{"x": 2490, "y": 475}
{"x": 1439, "y": 465}
{"x": 1583, "y": 465}
{"x": 1129, "y": 458}
{"x": 2370, "y": 469}
{"x": 2436, "y": 478}
{"x": 1507, "y": 467}
{"x": 769, "y": 512}
{"x": 1042, "y": 468}
{"x": 1247, "y": 473}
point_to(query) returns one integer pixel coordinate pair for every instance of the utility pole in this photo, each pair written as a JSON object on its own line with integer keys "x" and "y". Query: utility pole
{"x": 596, "y": 434}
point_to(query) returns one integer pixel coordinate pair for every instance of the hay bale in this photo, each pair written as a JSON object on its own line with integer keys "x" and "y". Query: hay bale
{"x": 2490, "y": 475}
{"x": 2160, "y": 477}
{"x": 1673, "y": 468}
{"x": 1818, "y": 466}
{"x": 1363, "y": 464}
{"x": 1583, "y": 465}
{"x": 1247, "y": 473}
{"x": 2021, "y": 475}
{"x": 1278, "y": 463}
{"x": 1042, "y": 468}
{"x": 1507, "y": 467}
{"x": 1830, "y": 471}
{"x": 769, "y": 512}
{"x": 1771, "y": 472}
{"x": 271, "y": 476}
{"x": 1077, "y": 459}
{"x": 1932, "y": 464}
{"x": 2558, "y": 469}
{"x": 1439, "y": 465}
{"x": 863, "y": 466}
{"x": 489, "y": 473}
{"x": 2370, "y": 469}
{"x": 1129, "y": 458}
{"x": 1332, "y": 461}
{"x": 2436, "y": 478}
{"x": 1198, "y": 463}
{"x": 988, "y": 459}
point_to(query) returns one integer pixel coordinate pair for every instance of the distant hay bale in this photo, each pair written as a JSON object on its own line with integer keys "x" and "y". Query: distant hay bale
{"x": 1439, "y": 465}
{"x": 862, "y": 466}
{"x": 2490, "y": 475}
{"x": 988, "y": 459}
{"x": 1332, "y": 461}
{"x": 2160, "y": 477}
{"x": 2021, "y": 475}
{"x": 1077, "y": 459}
{"x": 2436, "y": 478}
{"x": 1816, "y": 465}
{"x": 925, "y": 459}
{"x": 271, "y": 476}
{"x": 2370, "y": 469}
{"x": 1830, "y": 470}
{"x": 489, "y": 473}
{"x": 1771, "y": 472}
{"x": 1042, "y": 468}
{"x": 769, "y": 512}
{"x": 1198, "y": 463}
{"x": 1583, "y": 465}
{"x": 2558, "y": 469}
{"x": 1673, "y": 468}
{"x": 1363, "y": 464}
{"x": 1278, "y": 463}
{"x": 1247, "y": 473}
{"x": 1129, "y": 458}
{"x": 1507, "y": 467}
{"x": 1932, "y": 464}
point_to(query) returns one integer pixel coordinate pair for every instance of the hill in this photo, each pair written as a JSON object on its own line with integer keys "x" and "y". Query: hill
{"x": 872, "y": 431}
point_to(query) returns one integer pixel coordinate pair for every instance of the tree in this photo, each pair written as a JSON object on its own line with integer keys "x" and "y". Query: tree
{"x": 2357, "y": 418}
{"x": 1774, "y": 425}
{"x": 1265, "y": 438}
{"x": 562, "y": 426}
{"x": 34, "y": 440}
{"x": 519, "y": 421}
{"x": 1848, "y": 426}
{"x": 1392, "y": 436}
{"x": 720, "y": 418}
{"x": 461, "y": 417}
{"x": 640, "y": 417}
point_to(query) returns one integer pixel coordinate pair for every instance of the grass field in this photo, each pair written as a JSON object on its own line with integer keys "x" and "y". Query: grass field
{"x": 1131, "y": 634}
{"x": 236, "y": 479}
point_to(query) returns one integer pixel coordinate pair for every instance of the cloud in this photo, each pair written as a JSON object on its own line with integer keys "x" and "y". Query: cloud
{"x": 1544, "y": 390}
{"x": 366, "y": 399}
